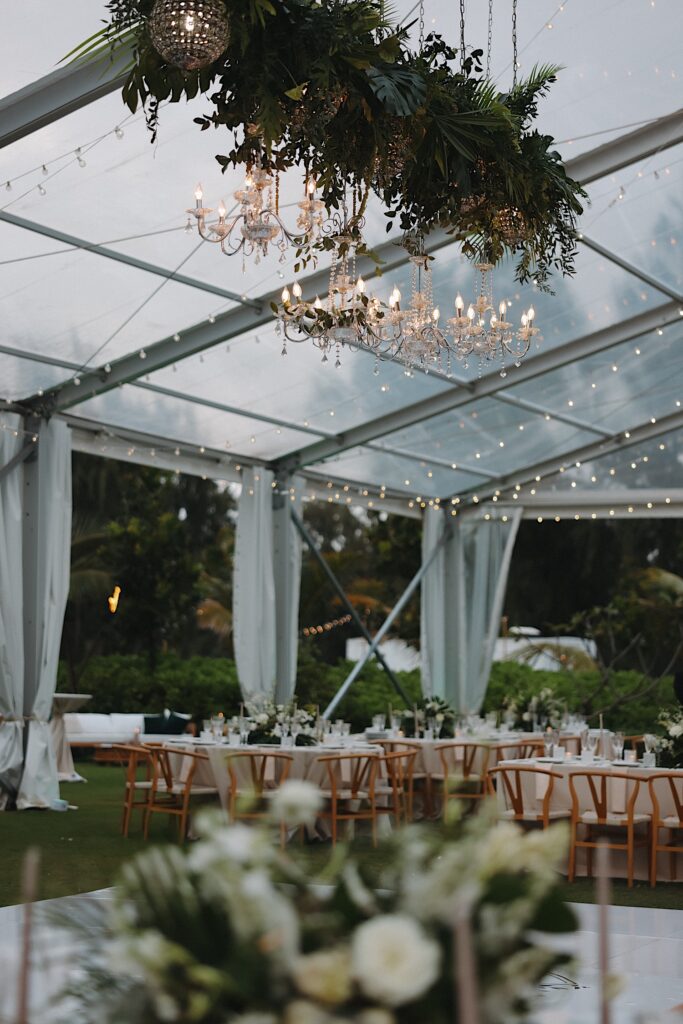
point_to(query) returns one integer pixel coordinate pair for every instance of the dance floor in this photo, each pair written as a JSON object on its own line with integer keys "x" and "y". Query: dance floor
{"x": 646, "y": 951}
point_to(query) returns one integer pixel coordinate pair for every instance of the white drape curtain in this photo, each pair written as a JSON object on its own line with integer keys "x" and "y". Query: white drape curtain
{"x": 52, "y": 538}
{"x": 11, "y": 618}
{"x": 462, "y": 602}
{"x": 266, "y": 582}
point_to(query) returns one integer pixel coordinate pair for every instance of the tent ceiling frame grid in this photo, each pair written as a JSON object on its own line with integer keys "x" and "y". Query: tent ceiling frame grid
{"x": 68, "y": 89}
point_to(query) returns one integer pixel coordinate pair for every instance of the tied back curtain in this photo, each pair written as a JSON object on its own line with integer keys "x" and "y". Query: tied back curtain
{"x": 462, "y": 602}
{"x": 11, "y": 614}
{"x": 47, "y": 594}
{"x": 266, "y": 584}
{"x": 253, "y": 590}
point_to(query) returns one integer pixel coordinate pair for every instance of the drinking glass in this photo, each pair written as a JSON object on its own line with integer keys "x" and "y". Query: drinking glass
{"x": 548, "y": 745}
{"x": 396, "y": 723}
{"x": 381, "y": 722}
{"x": 234, "y": 738}
{"x": 618, "y": 746}
{"x": 346, "y": 728}
{"x": 492, "y": 719}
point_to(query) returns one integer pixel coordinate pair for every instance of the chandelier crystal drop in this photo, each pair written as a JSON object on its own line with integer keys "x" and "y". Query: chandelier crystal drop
{"x": 255, "y": 227}
{"x": 189, "y": 34}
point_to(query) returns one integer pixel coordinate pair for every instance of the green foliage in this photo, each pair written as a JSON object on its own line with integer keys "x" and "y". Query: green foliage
{"x": 577, "y": 690}
{"x": 202, "y": 686}
{"x": 321, "y": 86}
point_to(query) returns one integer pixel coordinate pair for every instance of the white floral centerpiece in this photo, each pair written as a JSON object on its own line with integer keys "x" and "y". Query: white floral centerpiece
{"x": 428, "y": 709}
{"x": 671, "y": 744}
{"x": 269, "y": 721}
{"x": 234, "y": 931}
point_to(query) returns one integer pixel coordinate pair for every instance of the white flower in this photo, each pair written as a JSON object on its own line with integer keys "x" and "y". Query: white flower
{"x": 262, "y": 719}
{"x": 394, "y": 960}
{"x": 300, "y": 1011}
{"x": 296, "y": 802}
{"x": 237, "y": 843}
{"x": 375, "y": 1015}
{"x": 325, "y": 976}
{"x": 676, "y": 730}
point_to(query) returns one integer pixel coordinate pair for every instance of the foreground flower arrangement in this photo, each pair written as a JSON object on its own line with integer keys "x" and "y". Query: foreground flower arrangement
{"x": 233, "y": 930}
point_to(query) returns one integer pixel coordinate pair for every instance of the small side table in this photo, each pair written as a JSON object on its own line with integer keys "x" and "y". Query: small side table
{"x": 61, "y": 703}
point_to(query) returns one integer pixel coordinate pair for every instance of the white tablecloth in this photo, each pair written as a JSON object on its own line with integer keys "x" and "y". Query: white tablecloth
{"x": 61, "y": 704}
{"x": 533, "y": 792}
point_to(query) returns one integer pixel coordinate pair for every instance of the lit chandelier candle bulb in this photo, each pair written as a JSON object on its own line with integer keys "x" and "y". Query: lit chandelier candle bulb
{"x": 436, "y": 313}
{"x": 285, "y": 296}
{"x": 296, "y": 292}
{"x": 459, "y": 305}
{"x": 360, "y": 285}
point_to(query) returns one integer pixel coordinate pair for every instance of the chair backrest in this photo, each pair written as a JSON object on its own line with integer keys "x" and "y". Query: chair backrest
{"x": 598, "y": 787}
{"x": 513, "y": 777}
{"x": 399, "y": 766}
{"x": 462, "y": 758}
{"x": 521, "y": 751}
{"x": 166, "y": 770}
{"x": 133, "y": 756}
{"x": 572, "y": 743}
{"x": 257, "y": 768}
{"x": 671, "y": 784}
{"x": 634, "y": 742}
{"x": 355, "y": 772}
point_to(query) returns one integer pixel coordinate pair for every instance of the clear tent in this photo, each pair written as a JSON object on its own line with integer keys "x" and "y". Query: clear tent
{"x": 120, "y": 279}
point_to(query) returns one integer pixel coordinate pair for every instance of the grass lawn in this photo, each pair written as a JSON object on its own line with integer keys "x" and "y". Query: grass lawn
{"x": 82, "y": 850}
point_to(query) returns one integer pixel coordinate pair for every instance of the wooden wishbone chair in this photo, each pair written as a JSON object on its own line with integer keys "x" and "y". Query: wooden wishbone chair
{"x": 420, "y": 775}
{"x": 396, "y": 784}
{"x": 467, "y": 762}
{"x": 252, "y": 775}
{"x": 351, "y": 779}
{"x": 511, "y": 779}
{"x": 673, "y": 822}
{"x": 135, "y": 757}
{"x": 600, "y": 821}
{"x": 172, "y": 794}
{"x": 523, "y": 750}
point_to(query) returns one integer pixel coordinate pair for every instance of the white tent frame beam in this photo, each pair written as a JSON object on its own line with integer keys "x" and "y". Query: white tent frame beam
{"x": 54, "y": 96}
{"x": 487, "y": 386}
{"x": 620, "y": 441}
{"x": 627, "y": 149}
{"x": 120, "y": 257}
{"x": 205, "y": 335}
{"x": 647, "y": 279}
{"x": 106, "y": 440}
{"x": 658, "y": 503}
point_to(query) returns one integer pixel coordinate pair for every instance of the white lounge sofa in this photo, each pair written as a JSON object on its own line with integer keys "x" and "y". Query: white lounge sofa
{"x": 85, "y": 729}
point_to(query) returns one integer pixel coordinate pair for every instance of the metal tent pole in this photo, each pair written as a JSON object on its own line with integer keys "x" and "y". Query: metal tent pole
{"x": 298, "y": 522}
{"x": 384, "y": 629}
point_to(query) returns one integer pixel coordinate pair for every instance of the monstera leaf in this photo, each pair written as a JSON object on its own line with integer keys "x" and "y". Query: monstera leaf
{"x": 399, "y": 89}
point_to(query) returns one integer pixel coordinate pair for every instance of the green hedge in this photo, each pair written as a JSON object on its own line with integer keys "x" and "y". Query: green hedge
{"x": 126, "y": 683}
{"x": 509, "y": 679}
{"x": 200, "y": 686}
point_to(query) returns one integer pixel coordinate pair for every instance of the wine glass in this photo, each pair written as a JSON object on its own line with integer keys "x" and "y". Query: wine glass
{"x": 618, "y": 746}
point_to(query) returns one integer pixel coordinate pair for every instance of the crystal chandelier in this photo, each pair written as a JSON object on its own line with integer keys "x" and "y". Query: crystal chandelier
{"x": 413, "y": 335}
{"x": 485, "y": 334}
{"x": 257, "y": 225}
{"x": 346, "y": 316}
{"x": 190, "y": 34}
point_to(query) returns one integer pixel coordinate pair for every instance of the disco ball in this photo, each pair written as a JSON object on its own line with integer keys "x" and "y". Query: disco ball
{"x": 189, "y": 34}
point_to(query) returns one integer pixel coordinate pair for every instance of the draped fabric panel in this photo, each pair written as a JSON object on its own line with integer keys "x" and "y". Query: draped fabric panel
{"x": 287, "y": 579}
{"x": 253, "y": 601}
{"x": 47, "y": 561}
{"x": 462, "y": 602}
{"x": 266, "y": 585}
{"x": 11, "y": 616}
